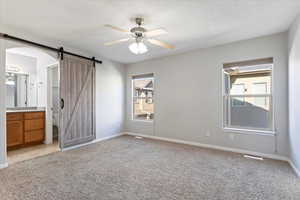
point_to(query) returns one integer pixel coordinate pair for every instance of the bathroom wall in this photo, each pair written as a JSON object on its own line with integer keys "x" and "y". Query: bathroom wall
{"x": 55, "y": 95}
{"x": 27, "y": 65}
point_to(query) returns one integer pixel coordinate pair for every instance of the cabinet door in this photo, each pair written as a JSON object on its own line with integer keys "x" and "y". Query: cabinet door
{"x": 34, "y": 124}
{"x": 14, "y": 133}
{"x": 34, "y": 136}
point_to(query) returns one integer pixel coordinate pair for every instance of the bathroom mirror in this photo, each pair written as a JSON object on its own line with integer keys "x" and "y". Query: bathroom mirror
{"x": 16, "y": 90}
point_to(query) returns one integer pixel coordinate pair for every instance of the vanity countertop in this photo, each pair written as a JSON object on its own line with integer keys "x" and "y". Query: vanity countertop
{"x": 39, "y": 109}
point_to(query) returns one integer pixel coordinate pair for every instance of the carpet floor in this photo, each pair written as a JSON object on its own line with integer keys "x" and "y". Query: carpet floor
{"x": 131, "y": 169}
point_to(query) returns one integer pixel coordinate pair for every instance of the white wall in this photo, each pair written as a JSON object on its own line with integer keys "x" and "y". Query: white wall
{"x": 43, "y": 61}
{"x": 55, "y": 95}
{"x": 110, "y": 98}
{"x": 28, "y": 65}
{"x": 188, "y": 95}
{"x": 2, "y": 106}
{"x": 294, "y": 91}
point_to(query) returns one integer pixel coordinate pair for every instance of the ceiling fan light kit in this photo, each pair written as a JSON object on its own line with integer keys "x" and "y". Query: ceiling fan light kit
{"x": 140, "y": 35}
{"x": 138, "y": 48}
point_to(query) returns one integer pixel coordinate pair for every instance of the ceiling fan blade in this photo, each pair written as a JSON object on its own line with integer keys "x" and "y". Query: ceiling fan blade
{"x": 116, "y": 41}
{"x": 116, "y": 28}
{"x": 161, "y": 44}
{"x": 156, "y": 32}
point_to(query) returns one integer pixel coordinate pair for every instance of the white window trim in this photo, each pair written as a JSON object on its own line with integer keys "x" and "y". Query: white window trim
{"x": 249, "y": 131}
{"x": 133, "y": 97}
{"x": 246, "y": 130}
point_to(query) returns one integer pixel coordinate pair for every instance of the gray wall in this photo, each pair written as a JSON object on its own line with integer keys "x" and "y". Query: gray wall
{"x": 188, "y": 97}
{"x": 110, "y": 98}
{"x": 294, "y": 91}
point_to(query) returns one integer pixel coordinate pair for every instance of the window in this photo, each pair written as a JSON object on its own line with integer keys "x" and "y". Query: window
{"x": 142, "y": 101}
{"x": 247, "y": 95}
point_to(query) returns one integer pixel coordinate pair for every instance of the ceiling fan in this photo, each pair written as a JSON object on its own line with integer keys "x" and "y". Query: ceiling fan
{"x": 139, "y": 35}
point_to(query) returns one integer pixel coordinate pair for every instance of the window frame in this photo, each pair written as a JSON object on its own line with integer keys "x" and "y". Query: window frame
{"x": 248, "y": 130}
{"x": 134, "y": 97}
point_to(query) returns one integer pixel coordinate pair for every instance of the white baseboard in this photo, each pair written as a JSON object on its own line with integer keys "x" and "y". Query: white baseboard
{"x": 210, "y": 146}
{"x": 296, "y": 170}
{"x": 108, "y": 137}
{"x": 92, "y": 142}
{"x": 2, "y": 166}
{"x": 235, "y": 150}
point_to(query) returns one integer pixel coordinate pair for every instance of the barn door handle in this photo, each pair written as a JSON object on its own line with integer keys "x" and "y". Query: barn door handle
{"x": 62, "y": 103}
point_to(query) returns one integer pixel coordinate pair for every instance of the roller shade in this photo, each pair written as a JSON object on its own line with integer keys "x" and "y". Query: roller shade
{"x": 141, "y": 76}
{"x": 261, "y": 61}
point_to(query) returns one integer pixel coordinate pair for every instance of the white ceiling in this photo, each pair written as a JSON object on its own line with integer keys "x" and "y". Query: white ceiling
{"x": 191, "y": 24}
{"x": 35, "y": 53}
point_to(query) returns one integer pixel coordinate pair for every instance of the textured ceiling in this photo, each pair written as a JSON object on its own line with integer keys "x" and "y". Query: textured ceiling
{"x": 191, "y": 24}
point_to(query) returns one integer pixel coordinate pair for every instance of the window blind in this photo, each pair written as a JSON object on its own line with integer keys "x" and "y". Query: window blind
{"x": 261, "y": 61}
{"x": 141, "y": 76}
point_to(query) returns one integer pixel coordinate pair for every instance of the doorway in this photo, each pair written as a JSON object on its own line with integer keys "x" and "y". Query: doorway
{"x": 32, "y": 103}
{"x": 52, "y": 104}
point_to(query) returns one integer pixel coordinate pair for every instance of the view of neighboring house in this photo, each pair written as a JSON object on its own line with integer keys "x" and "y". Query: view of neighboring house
{"x": 143, "y": 105}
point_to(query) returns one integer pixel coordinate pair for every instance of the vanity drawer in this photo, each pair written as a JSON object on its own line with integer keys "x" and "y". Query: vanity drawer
{"x": 34, "y": 136}
{"x": 34, "y": 115}
{"x": 14, "y": 116}
{"x": 34, "y": 124}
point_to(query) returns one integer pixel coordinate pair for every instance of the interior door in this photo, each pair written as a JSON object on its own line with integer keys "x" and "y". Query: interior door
{"x": 77, "y": 118}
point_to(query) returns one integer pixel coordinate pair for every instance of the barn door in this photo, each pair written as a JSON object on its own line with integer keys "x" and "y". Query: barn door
{"x": 77, "y": 110}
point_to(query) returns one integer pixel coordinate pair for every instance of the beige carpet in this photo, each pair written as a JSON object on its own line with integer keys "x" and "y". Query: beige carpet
{"x": 131, "y": 169}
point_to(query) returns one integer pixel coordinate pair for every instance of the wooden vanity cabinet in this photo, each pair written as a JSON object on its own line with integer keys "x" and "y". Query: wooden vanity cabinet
{"x": 14, "y": 129}
{"x": 25, "y": 128}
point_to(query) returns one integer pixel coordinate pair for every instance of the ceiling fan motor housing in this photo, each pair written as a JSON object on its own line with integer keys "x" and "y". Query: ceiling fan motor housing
{"x": 139, "y": 21}
{"x": 138, "y": 31}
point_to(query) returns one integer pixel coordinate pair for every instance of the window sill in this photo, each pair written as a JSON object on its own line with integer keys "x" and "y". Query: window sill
{"x": 140, "y": 120}
{"x": 249, "y": 131}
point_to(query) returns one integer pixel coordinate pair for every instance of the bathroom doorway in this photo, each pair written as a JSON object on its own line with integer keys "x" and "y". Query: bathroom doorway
{"x": 32, "y": 81}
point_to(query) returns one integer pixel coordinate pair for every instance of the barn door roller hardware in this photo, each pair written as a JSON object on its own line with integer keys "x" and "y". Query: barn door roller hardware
{"x": 58, "y": 50}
